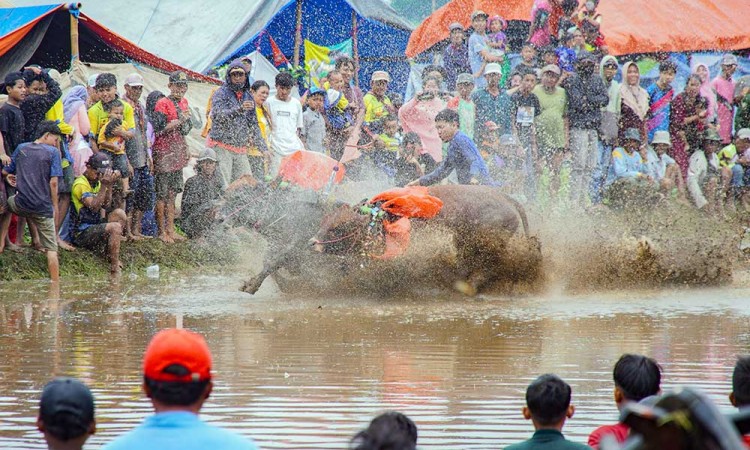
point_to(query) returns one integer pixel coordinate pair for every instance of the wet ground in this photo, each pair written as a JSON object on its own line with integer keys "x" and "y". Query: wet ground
{"x": 309, "y": 372}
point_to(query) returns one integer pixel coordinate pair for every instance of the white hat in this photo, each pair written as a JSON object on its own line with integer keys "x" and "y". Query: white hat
{"x": 381, "y": 75}
{"x": 662, "y": 137}
{"x": 743, "y": 133}
{"x": 493, "y": 68}
{"x": 134, "y": 79}
{"x": 92, "y": 80}
{"x": 207, "y": 154}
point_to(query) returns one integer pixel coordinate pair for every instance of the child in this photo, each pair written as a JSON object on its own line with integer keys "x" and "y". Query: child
{"x": 661, "y": 95}
{"x": 636, "y": 377}
{"x": 336, "y": 104}
{"x": 528, "y": 56}
{"x": 386, "y": 146}
{"x": 112, "y": 142}
{"x": 548, "y": 406}
{"x": 314, "y": 130}
{"x": 496, "y": 39}
{"x": 740, "y": 395}
{"x": 463, "y": 103}
{"x": 566, "y": 53}
{"x": 524, "y": 108}
{"x": 549, "y": 56}
{"x": 661, "y": 167}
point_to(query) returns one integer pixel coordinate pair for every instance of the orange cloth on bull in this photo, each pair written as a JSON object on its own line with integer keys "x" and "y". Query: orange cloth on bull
{"x": 407, "y": 202}
{"x": 311, "y": 170}
{"x": 412, "y": 201}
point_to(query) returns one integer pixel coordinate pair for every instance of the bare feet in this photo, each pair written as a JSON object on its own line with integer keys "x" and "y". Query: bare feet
{"x": 135, "y": 237}
{"x": 12, "y": 247}
{"x": 64, "y": 245}
{"x": 178, "y": 237}
{"x": 166, "y": 239}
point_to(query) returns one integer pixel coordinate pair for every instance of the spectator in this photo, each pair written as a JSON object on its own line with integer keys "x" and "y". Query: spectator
{"x": 566, "y": 54}
{"x": 661, "y": 95}
{"x": 11, "y": 116}
{"x": 418, "y": 115}
{"x": 92, "y": 197}
{"x": 288, "y": 123}
{"x": 552, "y": 124}
{"x": 345, "y": 65}
{"x": 723, "y": 86}
{"x": 76, "y": 114}
{"x": 385, "y": 147}
{"x": 202, "y": 190}
{"x": 234, "y": 129}
{"x": 742, "y": 117}
{"x": 662, "y": 168}
{"x": 689, "y": 113}
{"x": 462, "y": 102}
{"x": 497, "y": 41}
{"x": 431, "y": 71}
{"x": 548, "y": 406}
{"x": 707, "y": 91}
{"x": 545, "y": 17}
{"x": 314, "y": 129}
{"x": 407, "y": 166}
{"x": 93, "y": 97}
{"x": 257, "y": 157}
{"x": 66, "y": 414}
{"x": 548, "y": 56}
{"x": 456, "y": 56}
{"x": 586, "y": 96}
{"x": 704, "y": 180}
{"x": 492, "y": 104}
{"x": 106, "y": 89}
{"x": 740, "y": 395}
{"x": 141, "y": 163}
{"x": 177, "y": 379}
{"x": 593, "y": 38}
{"x": 463, "y": 156}
{"x": 609, "y": 129}
{"x": 634, "y": 102}
{"x": 389, "y": 431}
{"x": 111, "y": 142}
{"x": 628, "y": 165}
{"x": 478, "y": 51}
{"x": 734, "y": 158}
{"x": 339, "y": 117}
{"x": 524, "y": 110}
{"x": 171, "y": 121}
{"x": 39, "y": 100}
{"x": 636, "y": 377}
{"x": 35, "y": 171}
{"x": 528, "y": 57}
{"x": 377, "y": 103}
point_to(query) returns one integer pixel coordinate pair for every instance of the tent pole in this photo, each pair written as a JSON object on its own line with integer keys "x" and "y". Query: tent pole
{"x": 298, "y": 34}
{"x": 355, "y": 47}
{"x": 75, "y": 55}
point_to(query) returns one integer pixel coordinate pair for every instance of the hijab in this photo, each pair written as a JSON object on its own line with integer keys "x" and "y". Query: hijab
{"x": 73, "y": 101}
{"x": 635, "y": 97}
{"x": 707, "y": 91}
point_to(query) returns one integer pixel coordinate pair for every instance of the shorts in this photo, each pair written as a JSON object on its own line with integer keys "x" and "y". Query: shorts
{"x": 45, "y": 225}
{"x": 93, "y": 238}
{"x": 142, "y": 184}
{"x": 168, "y": 182}
{"x": 65, "y": 183}
{"x": 119, "y": 162}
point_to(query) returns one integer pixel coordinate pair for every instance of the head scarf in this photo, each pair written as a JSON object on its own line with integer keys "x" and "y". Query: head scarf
{"x": 73, "y": 100}
{"x": 707, "y": 91}
{"x": 634, "y": 96}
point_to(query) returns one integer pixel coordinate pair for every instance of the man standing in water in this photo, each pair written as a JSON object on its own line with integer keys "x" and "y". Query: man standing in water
{"x": 177, "y": 379}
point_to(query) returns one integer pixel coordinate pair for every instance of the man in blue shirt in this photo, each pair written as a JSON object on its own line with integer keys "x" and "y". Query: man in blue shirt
{"x": 177, "y": 379}
{"x": 463, "y": 155}
{"x": 34, "y": 171}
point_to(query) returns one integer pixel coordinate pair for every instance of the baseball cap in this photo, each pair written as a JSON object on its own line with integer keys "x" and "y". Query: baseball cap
{"x": 743, "y": 133}
{"x": 315, "y": 91}
{"x": 99, "y": 161}
{"x": 632, "y": 134}
{"x": 729, "y": 60}
{"x": 455, "y": 26}
{"x": 711, "y": 135}
{"x": 493, "y": 68}
{"x": 551, "y": 68}
{"x": 134, "y": 79}
{"x": 465, "y": 78}
{"x": 92, "y": 80}
{"x": 180, "y": 349}
{"x": 207, "y": 154}
{"x": 66, "y": 408}
{"x": 662, "y": 137}
{"x": 178, "y": 77}
{"x": 105, "y": 80}
{"x": 478, "y": 13}
{"x": 381, "y": 75}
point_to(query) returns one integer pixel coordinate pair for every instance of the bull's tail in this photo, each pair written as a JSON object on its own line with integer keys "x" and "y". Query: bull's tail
{"x": 521, "y": 213}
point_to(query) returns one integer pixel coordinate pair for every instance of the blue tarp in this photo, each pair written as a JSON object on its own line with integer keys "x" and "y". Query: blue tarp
{"x": 12, "y": 19}
{"x": 381, "y": 45}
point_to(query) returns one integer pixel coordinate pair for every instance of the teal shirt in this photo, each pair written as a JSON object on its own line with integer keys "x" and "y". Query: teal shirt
{"x": 547, "y": 440}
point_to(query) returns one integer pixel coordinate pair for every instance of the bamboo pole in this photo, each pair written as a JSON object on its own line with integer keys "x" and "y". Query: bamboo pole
{"x": 355, "y": 47}
{"x": 75, "y": 54}
{"x": 298, "y": 34}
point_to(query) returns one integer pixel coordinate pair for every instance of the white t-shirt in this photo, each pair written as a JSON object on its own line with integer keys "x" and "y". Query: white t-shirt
{"x": 286, "y": 118}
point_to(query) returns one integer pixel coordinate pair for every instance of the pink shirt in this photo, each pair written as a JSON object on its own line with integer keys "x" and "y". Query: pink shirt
{"x": 724, "y": 110}
{"x": 419, "y": 116}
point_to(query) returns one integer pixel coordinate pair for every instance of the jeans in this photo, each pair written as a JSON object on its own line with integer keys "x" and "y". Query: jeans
{"x": 584, "y": 151}
{"x": 596, "y": 191}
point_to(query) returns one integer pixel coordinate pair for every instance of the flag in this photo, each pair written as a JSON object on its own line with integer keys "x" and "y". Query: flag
{"x": 319, "y": 60}
{"x": 278, "y": 56}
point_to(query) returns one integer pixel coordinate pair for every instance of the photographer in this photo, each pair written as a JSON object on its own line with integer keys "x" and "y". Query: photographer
{"x": 418, "y": 115}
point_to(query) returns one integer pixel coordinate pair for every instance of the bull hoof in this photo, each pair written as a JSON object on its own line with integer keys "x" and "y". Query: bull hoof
{"x": 251, "y": 287}
{"x": 465, "y": 288}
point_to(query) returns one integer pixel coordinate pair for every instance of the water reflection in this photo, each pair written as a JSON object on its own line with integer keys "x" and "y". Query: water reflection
{"x": 307, "y": 373}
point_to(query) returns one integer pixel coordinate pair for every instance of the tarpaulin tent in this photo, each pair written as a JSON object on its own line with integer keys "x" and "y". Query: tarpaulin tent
{"x": 630, "y": 26}
{"x": 42, "y": 35}
{"x": 379, "y": 34}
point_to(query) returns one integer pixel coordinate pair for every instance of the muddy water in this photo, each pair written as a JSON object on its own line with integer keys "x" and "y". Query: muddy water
{"x": 309, "y": 372}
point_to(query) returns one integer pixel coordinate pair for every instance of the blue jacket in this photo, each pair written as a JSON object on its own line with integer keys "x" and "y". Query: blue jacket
{"x": 625, "y": 166}
{"x": 231, "y": 124}
{"x": 464, "y": 157}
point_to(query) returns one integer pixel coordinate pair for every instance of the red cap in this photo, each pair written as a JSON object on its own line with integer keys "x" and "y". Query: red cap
{"x": 491, "y": 126}
{"x": 181, "y": 347}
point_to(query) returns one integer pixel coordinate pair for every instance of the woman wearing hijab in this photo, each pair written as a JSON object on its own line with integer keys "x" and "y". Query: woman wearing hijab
{"x": 706, "y": 91}
{"x": 635, "y": 102}
{"x": 76, "y": 115}
{"x": 688, "y": 122}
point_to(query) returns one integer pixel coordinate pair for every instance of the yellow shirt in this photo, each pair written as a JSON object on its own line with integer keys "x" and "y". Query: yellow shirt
{"x": 264, "y": 128}
{"x": 98, "y": 117}
{"x": 82, "y": 189}
{"x": 115, "y": 144}
{"x": 375, "y": 109}
{"x": 391, "y": 143}
{"x": 56, "y": 113}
